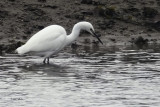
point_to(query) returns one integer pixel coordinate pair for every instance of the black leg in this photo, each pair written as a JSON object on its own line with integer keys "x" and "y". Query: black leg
{"x": 47, "y": 60}
{"x": 44, "y": 61}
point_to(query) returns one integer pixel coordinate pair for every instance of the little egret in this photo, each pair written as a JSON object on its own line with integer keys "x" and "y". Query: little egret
{"x": 52, "y": 39}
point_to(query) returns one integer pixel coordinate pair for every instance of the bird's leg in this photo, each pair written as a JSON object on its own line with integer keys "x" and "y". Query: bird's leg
{"x": 44, "y": 61}
{"x": 47, "y": 60}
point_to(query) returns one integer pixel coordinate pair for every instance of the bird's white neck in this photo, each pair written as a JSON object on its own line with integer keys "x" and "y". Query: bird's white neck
{"x": 75, "y": 33}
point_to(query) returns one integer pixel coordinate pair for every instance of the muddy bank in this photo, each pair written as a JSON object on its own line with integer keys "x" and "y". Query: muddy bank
{"x": 118, "y": 22}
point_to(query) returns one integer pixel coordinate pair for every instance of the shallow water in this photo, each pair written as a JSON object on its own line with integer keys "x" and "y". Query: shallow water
{"x": 91, "y": 76}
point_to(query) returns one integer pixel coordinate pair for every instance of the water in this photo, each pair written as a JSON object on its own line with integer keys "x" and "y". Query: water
{"x": 90, "y": 76}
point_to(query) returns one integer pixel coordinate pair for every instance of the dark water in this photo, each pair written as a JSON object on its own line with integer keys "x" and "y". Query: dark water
{"x": 91, "y": 76}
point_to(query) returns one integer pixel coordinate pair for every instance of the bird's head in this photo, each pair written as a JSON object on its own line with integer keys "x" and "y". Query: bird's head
{"x": 89, "y": 28}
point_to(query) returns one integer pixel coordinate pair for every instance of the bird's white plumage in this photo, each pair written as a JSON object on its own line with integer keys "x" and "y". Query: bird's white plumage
{"x": 47, "y": 41}
{"x": 52, "y": 39}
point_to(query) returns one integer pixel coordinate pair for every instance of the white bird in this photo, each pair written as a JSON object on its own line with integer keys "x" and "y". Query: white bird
{"x": 52, "y": 39}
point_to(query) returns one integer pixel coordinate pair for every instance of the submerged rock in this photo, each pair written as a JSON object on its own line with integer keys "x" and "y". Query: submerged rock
{"x": 3, "y": 14}
{"x": 78, "y": 16}
{"x": 100, "y": 11}
{"x": 154, "y": 25}
{"x": 12, "y": 0}
{"x": 110, "y": 11}
{"x": 1, "y": 49}
{"x": 86, "y": 1}
{"x": 74, "y": 45}
{"x": 35, "y": 11}
{"x": 42, "y": 1}
{"x": 140, "y": 41}
{"x": 149, "y": 12}
{"x": 105, "y": 11}
{"x": 106, "y": 24}
{"x": 157, "y": 25}
{"x": 158, "y": 3}
{"x": 113, "y": 40}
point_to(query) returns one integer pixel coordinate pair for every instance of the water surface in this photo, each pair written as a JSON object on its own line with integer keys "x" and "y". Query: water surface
{"x": 90, "y": 76}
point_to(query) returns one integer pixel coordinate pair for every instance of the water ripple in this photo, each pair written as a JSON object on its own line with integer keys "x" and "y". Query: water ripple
{"x": 122, "y": 77}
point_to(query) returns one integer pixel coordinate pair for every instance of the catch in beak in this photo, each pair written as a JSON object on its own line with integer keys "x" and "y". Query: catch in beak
{"x": 95, "y": 35}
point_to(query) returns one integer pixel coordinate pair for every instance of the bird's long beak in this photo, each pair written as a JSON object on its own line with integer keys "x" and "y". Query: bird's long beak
{"x": 95, "y": 35}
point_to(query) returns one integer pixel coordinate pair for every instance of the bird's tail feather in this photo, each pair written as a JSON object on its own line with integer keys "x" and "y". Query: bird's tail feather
{"x": 21, "y": 50}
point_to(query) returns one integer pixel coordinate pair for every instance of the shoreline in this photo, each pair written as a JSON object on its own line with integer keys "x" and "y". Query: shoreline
{"x": 118, "y": 22}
